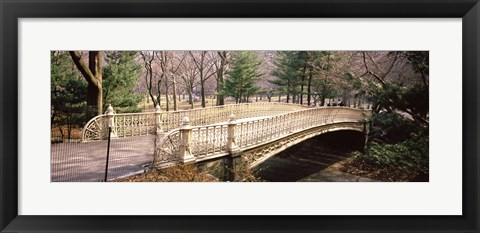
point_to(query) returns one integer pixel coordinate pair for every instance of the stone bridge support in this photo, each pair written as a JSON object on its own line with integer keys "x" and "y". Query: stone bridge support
{"x": 235, "y": 165}
{"x": 366, "y": 130}
{"x": 236, "y": 168}
{"x": 185, "y": 152}
{"x": 230, "y": 168}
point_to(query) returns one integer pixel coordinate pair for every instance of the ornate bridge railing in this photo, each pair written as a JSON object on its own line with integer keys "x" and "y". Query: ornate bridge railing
{"x": 136, "y": 124}
{"x": 187, "y": 144}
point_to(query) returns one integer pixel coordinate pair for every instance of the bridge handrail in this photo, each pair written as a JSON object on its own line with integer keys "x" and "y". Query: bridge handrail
{"x": 135, "y": 124}
{"x": 212, "y": 140}
{"x": 257, "y": 131}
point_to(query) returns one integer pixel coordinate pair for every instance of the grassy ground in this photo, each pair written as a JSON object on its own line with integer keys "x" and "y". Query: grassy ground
{"x": 182, "y": 104}
{"x": 147, "y": 106}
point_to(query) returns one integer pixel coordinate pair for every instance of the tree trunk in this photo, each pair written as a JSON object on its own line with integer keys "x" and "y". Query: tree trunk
{"x": 220, "y": 73}
{"x": 159, "y": 96}
{"x": 166, "y": 93}
{"x": 202, "y": 93}
{"x": 190, "y": 98}
{"x": 95, "y": 65}
{"x": 309, "y": 86}
{"x": 149, "y": 78}
{"x": 94, "y": 101}
{"x": 345, "y": 101}
{"x": 304, "y": 74}
{"x": 202, "y": 86}
{"x": 93, "y": 74}
{"x": 174, "y": 94}
{"x": 220, "y": 97}
{"x": 154, "y": 101}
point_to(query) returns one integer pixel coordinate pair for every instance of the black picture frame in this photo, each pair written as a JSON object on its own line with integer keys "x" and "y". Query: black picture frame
{"x": 11, "y": 11}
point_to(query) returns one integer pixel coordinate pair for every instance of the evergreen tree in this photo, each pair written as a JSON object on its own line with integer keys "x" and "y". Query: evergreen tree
{"x": 120, "y": 80}
{"x": 240, "y": 83}
{"x": 322, "y": 82}
{"x": 290, "y": 66}
{"x": 68, "y": 93}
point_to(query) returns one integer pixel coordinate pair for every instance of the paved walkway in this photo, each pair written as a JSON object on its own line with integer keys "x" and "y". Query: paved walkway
{"x": 328, "y": 175}
{"x": 77, "y": 162}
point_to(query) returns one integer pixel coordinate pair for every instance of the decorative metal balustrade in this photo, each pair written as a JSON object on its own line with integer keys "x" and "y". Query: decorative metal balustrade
{"x": 137, "y": 124}
{"x": 199, "y": 143}
{"x": 258, "y": 154}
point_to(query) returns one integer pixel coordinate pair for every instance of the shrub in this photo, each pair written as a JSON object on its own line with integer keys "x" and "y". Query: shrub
{"x": 178, "y": 173}
{"x": 410, "y": 155}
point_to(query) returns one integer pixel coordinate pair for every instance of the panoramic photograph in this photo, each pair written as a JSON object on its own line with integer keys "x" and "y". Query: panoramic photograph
{"x": 239, "y": 116}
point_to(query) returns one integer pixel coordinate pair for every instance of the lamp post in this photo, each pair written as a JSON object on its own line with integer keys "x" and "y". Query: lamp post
{"x": 110, "y": 122}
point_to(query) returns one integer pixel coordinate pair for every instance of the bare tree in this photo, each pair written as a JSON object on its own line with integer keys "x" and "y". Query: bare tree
{"x": 176, "y": 65}
{"x": 152, "y": 80}
{"x": 205, "y": 62}
{"x": 163, "y": 59}
{"x": 393, "y": 71}
{"x": 170, "y": 63}
{"x": 190, "y": 78}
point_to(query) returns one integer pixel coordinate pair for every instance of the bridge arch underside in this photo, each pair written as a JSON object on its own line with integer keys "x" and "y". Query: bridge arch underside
{"x": 307, "y": 160}
{"x": 255, "y": 156}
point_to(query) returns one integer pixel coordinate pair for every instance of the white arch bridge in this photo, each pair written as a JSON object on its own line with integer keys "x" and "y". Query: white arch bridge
{"x": 254, "y": 139}
{"x": 250, "y": 133}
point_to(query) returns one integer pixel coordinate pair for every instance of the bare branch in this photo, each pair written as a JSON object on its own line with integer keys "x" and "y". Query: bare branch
{"x": 83, "y": 68}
